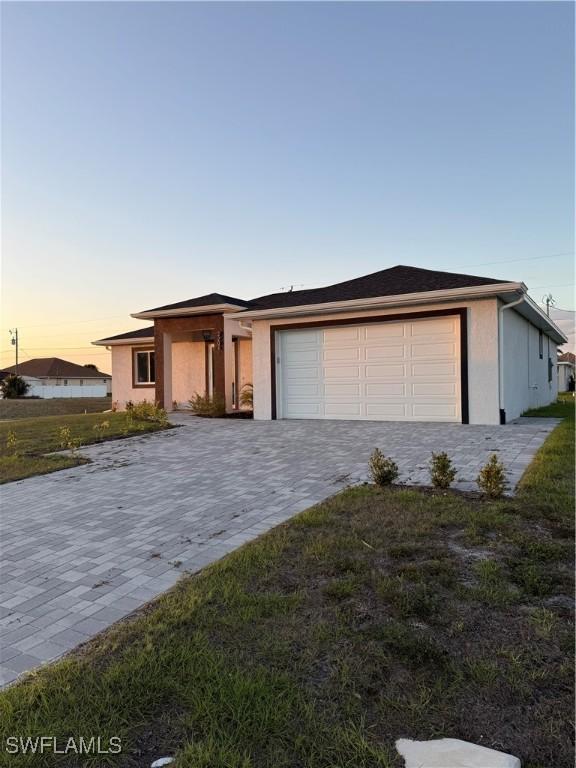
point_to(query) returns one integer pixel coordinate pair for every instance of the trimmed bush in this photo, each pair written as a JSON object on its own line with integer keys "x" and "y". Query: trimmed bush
{"x": 442, "y": 472}
{"x": 145, "y": 411}
{"x": 383, "y": 470}
{"x": 492, "y": 478}
{"x": 212, "y": 407}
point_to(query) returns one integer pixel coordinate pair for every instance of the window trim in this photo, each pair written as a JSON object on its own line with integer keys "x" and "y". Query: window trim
{"x": 135, "y": 383}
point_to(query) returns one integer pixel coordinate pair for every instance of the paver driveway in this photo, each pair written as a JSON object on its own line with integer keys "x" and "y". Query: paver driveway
{"x": 85, "y": 546}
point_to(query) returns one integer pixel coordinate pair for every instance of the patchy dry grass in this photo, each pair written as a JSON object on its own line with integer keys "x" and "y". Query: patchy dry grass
{"x": 26, "y": 407}
{"x": 24, "y": 454}
{"x": 377, "y": 614}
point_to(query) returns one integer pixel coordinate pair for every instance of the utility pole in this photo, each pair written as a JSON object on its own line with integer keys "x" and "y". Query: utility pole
{"x": 549, "y": 301}
{"x": 14, "y": 334}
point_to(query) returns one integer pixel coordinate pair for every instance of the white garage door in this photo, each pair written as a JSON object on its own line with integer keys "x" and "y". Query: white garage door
{"x": 393, "y": 371}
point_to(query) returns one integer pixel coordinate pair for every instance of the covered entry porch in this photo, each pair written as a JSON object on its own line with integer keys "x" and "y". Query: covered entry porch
{"x": 201, "y": 354}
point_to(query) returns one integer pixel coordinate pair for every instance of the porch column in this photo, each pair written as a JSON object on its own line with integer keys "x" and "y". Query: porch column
{"x": 219, "y": 362}
{"x": 229, "y": 362}
{"x": 163, "y": 362}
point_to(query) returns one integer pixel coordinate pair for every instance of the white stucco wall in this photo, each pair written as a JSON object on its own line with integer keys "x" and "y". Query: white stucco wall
{"x": 565, "y": 370}
{"x": 525, "y": 375}
{"x": 483, "y": 385}
{"x": 122, "y": 389}
{"x": 188, "y": 370}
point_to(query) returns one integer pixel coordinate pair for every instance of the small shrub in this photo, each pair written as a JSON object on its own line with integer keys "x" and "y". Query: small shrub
{"x": 383, "y": 470}
{"x": 209, "y": 406}
{"x": 492, "y": 478}
{"x": 247, "y": 396}
{"x": 12, "y": 442}
{"x": 66, "y": 441}
{"x": 442, "y": 472}
{"x": 145, "y": 411}
{"x": 101, "y": 428}
{"x": 13, "y": 387}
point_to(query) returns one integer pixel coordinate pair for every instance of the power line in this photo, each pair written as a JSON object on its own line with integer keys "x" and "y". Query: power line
{"x": 524, "y": 258}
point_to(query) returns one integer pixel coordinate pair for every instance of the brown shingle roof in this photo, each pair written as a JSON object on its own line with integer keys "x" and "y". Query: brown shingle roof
{"x": 141, "y": 333}
{"x": 55, "y": 367}
{"x": 202, "y": 301}
{"x": 387, "y": 282}
{"x": 567, "y": 357}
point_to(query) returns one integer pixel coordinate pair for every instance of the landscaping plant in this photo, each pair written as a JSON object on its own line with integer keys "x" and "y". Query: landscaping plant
{"x": 442, "y": 472}
{"x": 13, "y": 387}
{"x": 11, "y": 442}
{"x": 145, "y": 411}
{"x": 66, "y": 441}
{"x": 383, "y": 470}
{"x": 492, "y": 478}
{"x": 101, "y": 428}
{"x": 210, "y": 406}
{"x": 247, "y": 396}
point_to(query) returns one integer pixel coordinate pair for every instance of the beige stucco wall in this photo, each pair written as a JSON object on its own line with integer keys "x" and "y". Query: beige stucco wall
{"x": 483, "y": 383}
{"x": 188, "y": 370}
{"x": 244, "y": 363}
{"x": 122, "y": 389}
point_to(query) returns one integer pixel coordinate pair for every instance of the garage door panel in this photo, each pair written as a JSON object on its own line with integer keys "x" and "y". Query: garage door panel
{"x": 303, "y": 355}
{"x": 342, "y": 390}
{"x": 342, "y": 410}
{"x": 303, "y": 339}
{"x": 391, "y": 371}
{"x": 298, "y": 390}
{"x": 341, "y": 335}
{"x": 434, "y": 388}
{"x": 303, "y": 410}
{"x": 404, "y": 371}
{"x": 434, "y": 328}
{"x": 309, "y": 372}
{"x": 341, "y": 372}
{"x": 342, "y": 353}
{"x": 427, "y": 411}
{"x": 386, "y": 389}
{"x": 425, "y": 369}
{"x": 391, "y": 352}
{"x": 385, "y": 331}
{"x": 391, "y": 410}
{"x": 433, "y": 350}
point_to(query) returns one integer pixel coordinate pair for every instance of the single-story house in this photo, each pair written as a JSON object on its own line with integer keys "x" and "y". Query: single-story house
{"x": 401, "y": 344}
{"x": 566, "y": 371}
{"x": 51, "y": 377}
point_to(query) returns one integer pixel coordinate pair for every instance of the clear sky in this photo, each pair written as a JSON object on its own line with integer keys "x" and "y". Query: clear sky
{"x": 153, "y": 152}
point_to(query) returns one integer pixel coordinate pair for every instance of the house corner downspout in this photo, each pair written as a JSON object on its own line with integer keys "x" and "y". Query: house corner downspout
{"x": 501, "y": 355}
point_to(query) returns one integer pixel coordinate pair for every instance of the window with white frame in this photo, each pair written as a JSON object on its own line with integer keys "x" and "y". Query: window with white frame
{"x": 144, "y": 368}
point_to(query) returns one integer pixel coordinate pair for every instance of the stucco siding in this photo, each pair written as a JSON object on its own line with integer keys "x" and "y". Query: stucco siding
{"x": 482, "y": 354}
{"x": 122, "y": 389}
{"x": 188, "y": 370}
{"x": 525, "y": 374}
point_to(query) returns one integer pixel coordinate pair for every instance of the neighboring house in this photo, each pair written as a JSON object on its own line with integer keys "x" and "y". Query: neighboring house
{"x": 402, "y": 344}
{"x": 51, "y": 377}
{"x": 566, "y": 371}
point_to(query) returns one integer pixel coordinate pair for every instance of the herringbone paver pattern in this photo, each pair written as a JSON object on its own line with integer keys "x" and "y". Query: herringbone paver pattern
{"x": 83, "y": 547}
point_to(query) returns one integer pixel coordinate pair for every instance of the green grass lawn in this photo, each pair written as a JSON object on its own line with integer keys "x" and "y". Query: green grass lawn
{"x": 34, "y": 438}
{"x": 378, "y": 614}
{"x": 25, "y": 408}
